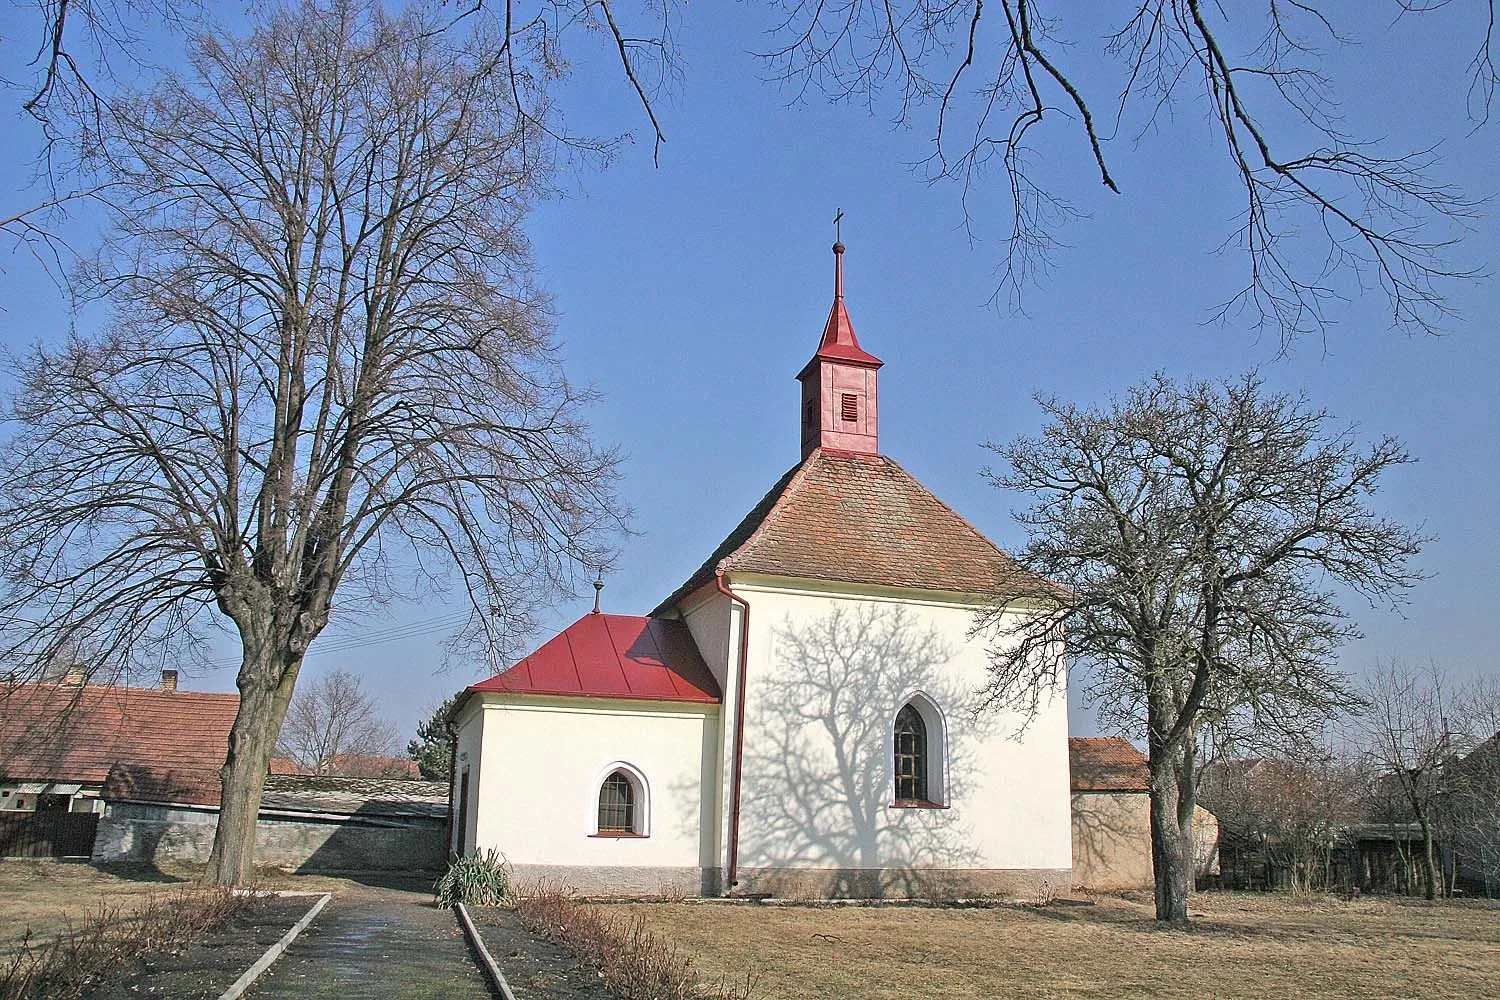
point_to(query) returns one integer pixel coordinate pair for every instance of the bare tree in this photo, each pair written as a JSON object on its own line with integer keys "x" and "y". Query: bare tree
{"x": 333, "y": 718}
{"x": 329, "y": 381}
{"x": 991, "y": 75}
{"x": 1296, "y": 808}
{"x": 1195, "y": 527}
{"x": 1432, "y": 741}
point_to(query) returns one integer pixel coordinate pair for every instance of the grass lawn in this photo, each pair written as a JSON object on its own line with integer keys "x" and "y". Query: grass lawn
{"x": 1250, "y": 946}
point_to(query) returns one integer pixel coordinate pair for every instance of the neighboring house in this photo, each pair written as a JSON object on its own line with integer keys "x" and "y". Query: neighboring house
{"x": 798, "y": 718}
{"x": 1112, "y": 818}
{"x": 61, "y": 745}
{"x": 143, "y": 765}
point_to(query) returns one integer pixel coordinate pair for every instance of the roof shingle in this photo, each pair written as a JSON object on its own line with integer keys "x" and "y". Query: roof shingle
{"x": 137, "y": 742}
{"x": 1107, "y": 764}
{"x": 853, "y": 518}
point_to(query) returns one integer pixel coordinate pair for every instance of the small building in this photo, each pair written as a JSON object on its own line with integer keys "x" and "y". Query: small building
{"x": 800, "y": 717}
{"x": 1112, "y": 818}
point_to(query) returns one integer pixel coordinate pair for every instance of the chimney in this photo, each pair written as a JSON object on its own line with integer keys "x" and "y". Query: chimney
{"x": 169, "y": 680}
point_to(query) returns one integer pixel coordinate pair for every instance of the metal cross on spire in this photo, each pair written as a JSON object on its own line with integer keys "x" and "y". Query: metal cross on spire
{"x": 838, "y": 255}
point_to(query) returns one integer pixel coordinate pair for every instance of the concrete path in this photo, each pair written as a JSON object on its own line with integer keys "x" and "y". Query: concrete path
{"x": 379, "y": 943}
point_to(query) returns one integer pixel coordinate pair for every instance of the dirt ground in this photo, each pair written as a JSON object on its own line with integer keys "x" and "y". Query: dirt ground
{"x": 204, "y": 969}
{"x": 535, "y": 967}
{"x": 1239, "y": 946}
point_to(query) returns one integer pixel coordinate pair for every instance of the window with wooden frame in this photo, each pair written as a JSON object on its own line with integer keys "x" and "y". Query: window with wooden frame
{"x": 911, "y": 756}
{"x": 849, "y": 407}
{"x": 617, "y": 805}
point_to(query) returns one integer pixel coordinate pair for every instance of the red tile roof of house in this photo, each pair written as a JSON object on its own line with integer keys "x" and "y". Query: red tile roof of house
{"x": 137, "y": 742}
{"x": 1107, "y": 764}
{"x": 613, "y": 656}
{"x": 851, "y": 518}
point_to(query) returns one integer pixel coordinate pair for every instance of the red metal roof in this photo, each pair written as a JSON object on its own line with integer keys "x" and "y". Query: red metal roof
{"x": 1107, "y": 764}
{"x": 137, "y": 742}
{"x": 614, "y": 656}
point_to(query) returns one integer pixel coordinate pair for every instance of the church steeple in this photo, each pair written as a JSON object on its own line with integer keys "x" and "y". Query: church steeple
{"x": 839, "y": 408}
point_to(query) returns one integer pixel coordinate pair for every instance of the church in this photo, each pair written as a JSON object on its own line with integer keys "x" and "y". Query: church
{"x": 799, "y": 718}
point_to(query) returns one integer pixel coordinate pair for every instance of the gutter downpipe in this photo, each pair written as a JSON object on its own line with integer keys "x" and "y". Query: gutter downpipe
{"x": 739, "y": 730}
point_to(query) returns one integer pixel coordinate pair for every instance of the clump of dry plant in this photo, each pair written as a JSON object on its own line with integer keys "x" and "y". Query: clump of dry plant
{"x": 64, "y": 967}
{"x": 634, "y": 962}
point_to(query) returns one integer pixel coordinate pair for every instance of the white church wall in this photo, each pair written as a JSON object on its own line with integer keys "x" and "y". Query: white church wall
{"x": 828, "y": 672}
{"x": 542, "y": 763}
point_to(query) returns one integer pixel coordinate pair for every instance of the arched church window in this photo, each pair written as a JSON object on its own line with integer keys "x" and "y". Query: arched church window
{"x": 911, "y": 755}
{"x": 617, "y": 804}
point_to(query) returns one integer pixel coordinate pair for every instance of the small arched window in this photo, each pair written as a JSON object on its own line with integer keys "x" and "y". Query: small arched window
{"x": 617, "y": 804}
{"x": 911, "y": 756}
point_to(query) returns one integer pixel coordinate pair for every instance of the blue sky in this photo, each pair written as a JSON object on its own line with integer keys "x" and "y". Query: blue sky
{"x": 690, "y": 294}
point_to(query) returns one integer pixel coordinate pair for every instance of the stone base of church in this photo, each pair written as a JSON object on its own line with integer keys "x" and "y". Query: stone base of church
{"x": 1035, "y": 884}
{"x": 643, "y": 882}
{"x": 1038, "y": 884}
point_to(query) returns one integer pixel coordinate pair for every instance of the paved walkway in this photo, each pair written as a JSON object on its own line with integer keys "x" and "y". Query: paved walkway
{"x": 373, "y": 944}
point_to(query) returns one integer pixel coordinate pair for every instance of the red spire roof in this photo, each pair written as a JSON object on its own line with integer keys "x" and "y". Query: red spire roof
{"x": 613, "y": 656}
{"x": 839, "y": 342}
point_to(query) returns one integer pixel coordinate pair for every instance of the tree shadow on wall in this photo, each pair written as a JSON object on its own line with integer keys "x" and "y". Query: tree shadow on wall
{"x": 819, "y": 762}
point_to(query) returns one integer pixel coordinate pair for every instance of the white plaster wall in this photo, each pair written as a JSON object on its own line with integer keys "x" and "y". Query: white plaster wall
{"x": 827, "y": 673}
{"x": 714, "y": 622}
{"x": 707, "y": 615}
{"x": 541, "y": 763}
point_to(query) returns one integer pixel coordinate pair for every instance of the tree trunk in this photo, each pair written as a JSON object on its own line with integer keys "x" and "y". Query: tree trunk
{"x": 1429, "y": 863}
{"x": 1170, "y": 858}
{"x": 265, "y": 693}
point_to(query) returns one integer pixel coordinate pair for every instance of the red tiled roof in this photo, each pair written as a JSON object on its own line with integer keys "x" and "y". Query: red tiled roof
{"x": 1107, "y": 764}
{"x": 853, "y": 518}
{"x": 614, "y": 656}
{"x": 137, "y": 742}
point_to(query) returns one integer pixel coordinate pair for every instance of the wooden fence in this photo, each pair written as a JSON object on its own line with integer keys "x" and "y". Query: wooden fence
{"x": 47, "y": 834}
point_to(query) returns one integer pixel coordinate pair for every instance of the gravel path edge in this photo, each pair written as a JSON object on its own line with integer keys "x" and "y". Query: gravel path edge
{"x": 491, "y": 967}
{"x": 274, "y": 952}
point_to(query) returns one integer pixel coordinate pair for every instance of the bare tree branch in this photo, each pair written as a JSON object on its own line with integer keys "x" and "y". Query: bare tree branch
{"x": 1323, "y": 212}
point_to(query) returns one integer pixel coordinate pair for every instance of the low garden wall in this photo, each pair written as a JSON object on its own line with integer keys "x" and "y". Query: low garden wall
{"x": 141, "y": 831}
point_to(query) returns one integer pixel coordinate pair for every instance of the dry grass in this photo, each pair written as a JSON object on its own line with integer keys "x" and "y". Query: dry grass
{"x": 1240, "y": 946}
{"x": 93, "y": 945}
{"x": 44, "y": 895}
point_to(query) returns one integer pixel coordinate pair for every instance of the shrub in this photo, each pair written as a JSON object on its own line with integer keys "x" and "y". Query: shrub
{"x": 481, "y": 879}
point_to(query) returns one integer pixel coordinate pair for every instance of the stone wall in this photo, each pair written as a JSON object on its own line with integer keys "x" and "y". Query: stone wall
{"x": 137, "y": 831}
